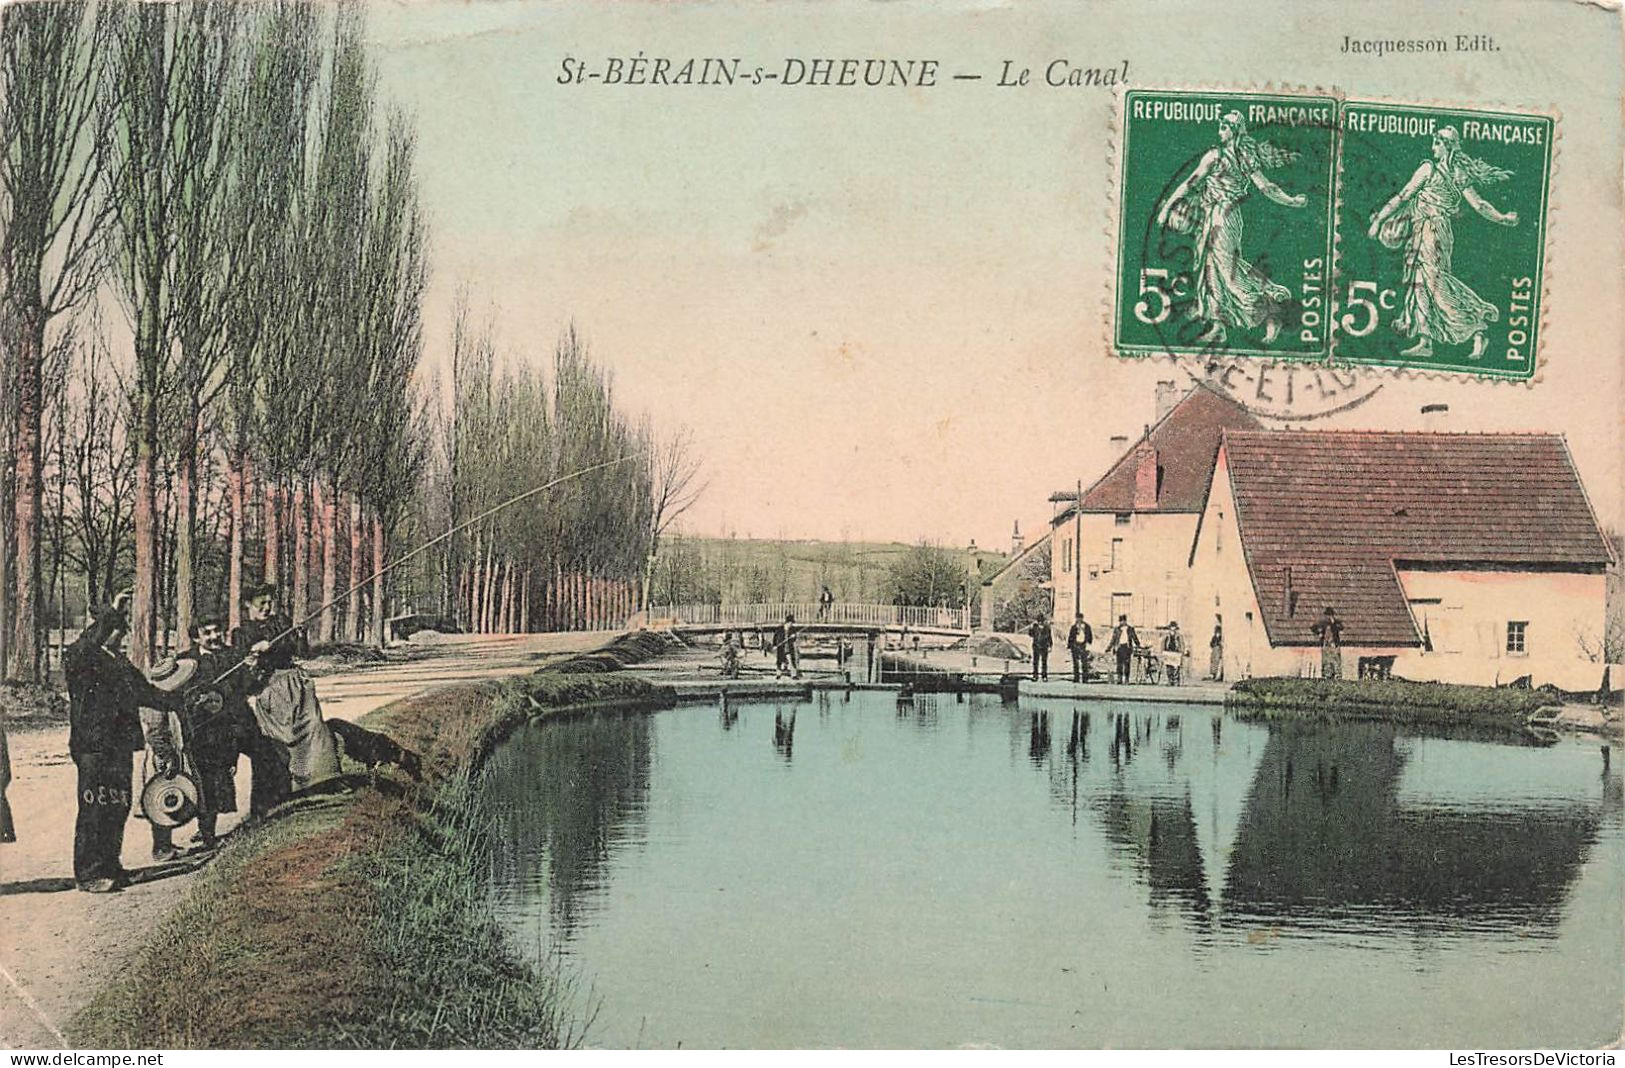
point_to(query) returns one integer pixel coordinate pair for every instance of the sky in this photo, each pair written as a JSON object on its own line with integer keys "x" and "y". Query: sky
{"x": 881, "y": 310}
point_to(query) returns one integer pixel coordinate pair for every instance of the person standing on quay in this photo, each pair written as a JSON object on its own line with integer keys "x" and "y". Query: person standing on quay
{"x": 1329, "y": 629}
{"x": 1123, "y": 643}
{"x": 784, "y": 648}
{"x": 1215, "y": 650}
{"x": 1077, "y": 642}
{"x": 1042, "y": 640}
{"x": 105, "y": 695}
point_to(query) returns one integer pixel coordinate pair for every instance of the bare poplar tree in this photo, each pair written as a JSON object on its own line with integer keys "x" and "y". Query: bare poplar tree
{"x": 50, "y": 222}
{"x": 675, "y": 473}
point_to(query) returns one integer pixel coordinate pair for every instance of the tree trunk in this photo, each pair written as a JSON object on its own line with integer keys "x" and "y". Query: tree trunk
{"x": 272, "y": 522}
{"x": 30, "y": 337}
{"x": 507, "y": 595}
{"x": 355, "y": 630}
{"x": 237, "y": 478}
{"x": 488, "y": 594}
{"x": 185, "y": 522}
{"x": 524, "y": 602}
{"x": 143, "y": 600}
{"x": 378, "y": 580}
{"x": 474, "y": 588}
{"x": 327, "y": 494}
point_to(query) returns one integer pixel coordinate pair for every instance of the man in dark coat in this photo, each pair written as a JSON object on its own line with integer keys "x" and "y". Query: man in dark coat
{"x": 786, "y": 656}
{"x": 105, "y": 694}
{"x": 1329, "y": 631}
{"x": 1077, "y": 642}
{"x": 1123, "y": 642}
{"x": 1040, "y": 634}
{"x": 229, "y": 733}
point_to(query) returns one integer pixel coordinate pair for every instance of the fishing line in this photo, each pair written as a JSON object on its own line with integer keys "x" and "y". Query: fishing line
{"x": 432, "y": 542}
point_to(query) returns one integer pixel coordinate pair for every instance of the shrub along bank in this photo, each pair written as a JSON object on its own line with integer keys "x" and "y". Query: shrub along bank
{"x": 1387, "y": 699}
{"x": 359, "y": 918}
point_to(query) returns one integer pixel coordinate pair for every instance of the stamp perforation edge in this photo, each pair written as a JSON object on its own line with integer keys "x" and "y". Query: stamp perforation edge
{"x": 1549, "y": 212}
{"x": 1116, "y": 141}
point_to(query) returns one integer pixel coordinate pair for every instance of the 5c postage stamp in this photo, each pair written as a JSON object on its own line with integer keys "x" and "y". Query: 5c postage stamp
{"x": 1224, "y": 224}
{"x": 1298, "y": 226}
{"x": 1441, "y": 228}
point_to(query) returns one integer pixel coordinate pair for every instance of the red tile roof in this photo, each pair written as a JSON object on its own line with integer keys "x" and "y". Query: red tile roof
{"x": 1187, "y": 442}
{"x": 1340, "y": 508}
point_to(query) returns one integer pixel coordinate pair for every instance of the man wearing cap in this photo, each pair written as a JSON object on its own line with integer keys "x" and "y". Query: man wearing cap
{"x": 105, "y": 693}
{"x": 233, "y": 732}
{"x": 1124, "y": 642}
{"x": 282, "y": 697}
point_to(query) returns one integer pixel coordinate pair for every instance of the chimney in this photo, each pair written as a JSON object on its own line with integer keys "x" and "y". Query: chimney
{"x": 1167, "y": 397}
{"x": 1119, "y": 445}
{"x": 1433, "y": 416}
{"x": 1017, "y": 542}
{"x": 1145, "y": 477}
{"x": 1288, "y": 595}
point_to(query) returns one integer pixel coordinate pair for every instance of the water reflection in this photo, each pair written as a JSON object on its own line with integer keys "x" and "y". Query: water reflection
{"x": 565, "y": 796}
{"x": 1326, "y": 836}
{"x": 1003, "y": 845}
{"x": 784, "y": 733}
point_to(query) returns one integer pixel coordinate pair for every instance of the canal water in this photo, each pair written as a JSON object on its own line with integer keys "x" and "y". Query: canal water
{"x": 946, "y": 872}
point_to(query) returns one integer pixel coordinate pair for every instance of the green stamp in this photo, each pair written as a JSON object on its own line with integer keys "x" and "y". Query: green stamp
{"x": 1441, "y": 227}
{"x": 1224, "y": 224}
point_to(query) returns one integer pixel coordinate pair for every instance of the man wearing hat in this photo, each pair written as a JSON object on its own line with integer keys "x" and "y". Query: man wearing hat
{"x": 282, "y": 697}
{"x": 219, "y": 739}
{"x": 105, "y": 694}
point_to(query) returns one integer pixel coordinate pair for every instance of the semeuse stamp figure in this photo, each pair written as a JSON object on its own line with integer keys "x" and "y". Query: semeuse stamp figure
{"x": 1459, "y": 295}
{"x": 1417, "y": 219}
{"x": 1224, "y": 224}
{"x": 1229, "y": 290}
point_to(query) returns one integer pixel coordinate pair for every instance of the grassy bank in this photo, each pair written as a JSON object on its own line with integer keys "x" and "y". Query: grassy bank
{"x": 359, "y": 918}
{"x": 1386, "y": 699}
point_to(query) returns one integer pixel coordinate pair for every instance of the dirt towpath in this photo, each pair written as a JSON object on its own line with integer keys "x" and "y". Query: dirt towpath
{"x": 59, "y": 946}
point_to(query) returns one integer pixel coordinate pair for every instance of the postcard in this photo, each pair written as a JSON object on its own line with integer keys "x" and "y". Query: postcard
{"x": 1150, "y": 472}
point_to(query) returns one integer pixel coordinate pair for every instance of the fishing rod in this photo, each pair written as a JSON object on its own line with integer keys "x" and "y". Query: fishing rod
{"x": 431, "y": 543}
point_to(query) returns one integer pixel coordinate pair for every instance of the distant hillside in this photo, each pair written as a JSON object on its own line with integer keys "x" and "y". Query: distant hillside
{"x": 744, "y": 571}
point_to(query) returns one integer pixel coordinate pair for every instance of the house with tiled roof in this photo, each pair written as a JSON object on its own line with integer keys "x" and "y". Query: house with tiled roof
{"x": 1472, "y": 558}
{"x": 1123, "y": 548}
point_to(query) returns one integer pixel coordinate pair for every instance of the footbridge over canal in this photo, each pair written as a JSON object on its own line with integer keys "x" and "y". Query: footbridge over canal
{"x": 813, "y": 619}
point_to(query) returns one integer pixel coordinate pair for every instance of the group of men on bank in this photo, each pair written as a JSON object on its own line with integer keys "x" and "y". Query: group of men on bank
{"x": 1124, "y": 641}
{"x": 195, "y": 714}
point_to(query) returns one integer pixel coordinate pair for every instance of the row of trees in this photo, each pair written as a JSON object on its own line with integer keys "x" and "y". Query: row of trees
{"x": 223, "y": 174}
{"x": 226, "y": 177}
{"x": 574, "y": 553}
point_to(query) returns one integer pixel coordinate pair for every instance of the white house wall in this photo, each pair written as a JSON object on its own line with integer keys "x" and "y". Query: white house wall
{"x": 1564, "y": 613}
{"x": 1151, "y": 568}
{"x": 1467, "y": 625}
{"x": 1220, "y": 585}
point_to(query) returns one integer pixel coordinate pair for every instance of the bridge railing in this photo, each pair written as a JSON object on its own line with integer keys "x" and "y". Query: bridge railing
{"x": 866, "y": 615}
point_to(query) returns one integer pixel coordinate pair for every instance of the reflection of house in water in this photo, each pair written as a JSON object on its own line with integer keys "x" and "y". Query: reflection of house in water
{"x": 1327, "y": 835}
{"x": 563, "y": 795}
{"x": 1347, "y": 825}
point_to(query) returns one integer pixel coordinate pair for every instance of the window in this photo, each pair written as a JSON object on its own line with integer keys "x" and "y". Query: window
{"x": 1218, "y": 535}
{"x": 1117, "y": 553}
{"x": 1517, "y": 638}
{"x": 1122, "y": 519}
